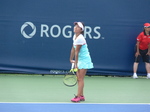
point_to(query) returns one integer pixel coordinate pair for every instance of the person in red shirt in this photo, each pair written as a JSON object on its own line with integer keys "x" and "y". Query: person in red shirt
{"x": 143, "y": 50}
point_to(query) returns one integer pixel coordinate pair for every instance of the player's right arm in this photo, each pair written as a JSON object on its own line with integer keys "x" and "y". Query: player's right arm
{"x": 137, "y": 49}
{"x": 72, "y": 55}
{"x": 139, "y": 38}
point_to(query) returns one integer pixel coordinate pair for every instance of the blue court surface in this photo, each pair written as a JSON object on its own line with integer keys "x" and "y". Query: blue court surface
{"x": 72, "y": 107}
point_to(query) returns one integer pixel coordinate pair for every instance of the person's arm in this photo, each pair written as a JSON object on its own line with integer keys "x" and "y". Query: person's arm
{"x": 148, "y": 53}
{"x": 78, "y": 47}
{"x": 137, "y": 49}
{"x": 72, "y": 54}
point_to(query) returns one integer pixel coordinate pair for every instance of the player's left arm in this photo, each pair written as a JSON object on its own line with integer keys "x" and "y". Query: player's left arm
{"x": 148, "y": 53}
{"x": 78, "y": 47}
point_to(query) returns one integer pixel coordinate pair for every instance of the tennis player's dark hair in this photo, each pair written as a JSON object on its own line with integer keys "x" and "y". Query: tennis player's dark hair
{"x": 84, "y": 28}
{"x": 145, "y": 32}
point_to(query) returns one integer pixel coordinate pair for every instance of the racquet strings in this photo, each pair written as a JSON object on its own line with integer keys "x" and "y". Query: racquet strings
{"x": 70, "y": 79}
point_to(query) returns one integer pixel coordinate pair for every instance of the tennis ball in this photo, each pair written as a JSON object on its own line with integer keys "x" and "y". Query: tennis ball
{"x": 76, "y": 69}
{"x": 71, "y": 70}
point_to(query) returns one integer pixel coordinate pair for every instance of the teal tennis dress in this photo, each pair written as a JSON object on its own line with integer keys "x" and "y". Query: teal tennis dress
{"x": 84, "y": 58}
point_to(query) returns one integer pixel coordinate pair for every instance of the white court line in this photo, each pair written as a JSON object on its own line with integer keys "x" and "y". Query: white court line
{"x": 75, "y": 103}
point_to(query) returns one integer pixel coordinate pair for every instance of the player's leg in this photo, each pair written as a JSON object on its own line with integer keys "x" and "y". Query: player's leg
{"x": 135, "y": 66}
{"x": 147, "y": 65}
{"x": 136, "y": 63}
{"x": 80, "y": 75}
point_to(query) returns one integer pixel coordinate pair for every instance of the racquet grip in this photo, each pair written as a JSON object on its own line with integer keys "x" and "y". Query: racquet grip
{"x": 72, "y": 66}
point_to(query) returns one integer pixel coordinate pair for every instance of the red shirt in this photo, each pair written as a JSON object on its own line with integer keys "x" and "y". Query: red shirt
{"x": 144, "y": 41}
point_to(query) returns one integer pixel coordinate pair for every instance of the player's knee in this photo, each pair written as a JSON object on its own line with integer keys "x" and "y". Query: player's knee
{"x": 80, "y": 78}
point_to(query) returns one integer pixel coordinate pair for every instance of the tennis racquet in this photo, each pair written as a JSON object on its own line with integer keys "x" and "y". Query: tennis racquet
{"x": 70, "y": 78}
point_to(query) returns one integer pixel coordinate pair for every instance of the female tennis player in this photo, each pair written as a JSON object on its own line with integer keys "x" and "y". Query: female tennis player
{"x": 81, "y": 58}
{"x": 143, "y": 50}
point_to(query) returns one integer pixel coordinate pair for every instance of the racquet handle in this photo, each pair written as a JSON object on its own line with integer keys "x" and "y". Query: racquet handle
{"x": 72, "y": 66}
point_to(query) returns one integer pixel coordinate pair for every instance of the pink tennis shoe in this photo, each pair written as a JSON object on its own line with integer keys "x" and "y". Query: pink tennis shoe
{"x": 78, "y": 99}
{"x": 82, "y": 98}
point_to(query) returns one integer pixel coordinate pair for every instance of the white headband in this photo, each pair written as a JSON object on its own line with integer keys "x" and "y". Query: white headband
{"x": 80, "y": 25}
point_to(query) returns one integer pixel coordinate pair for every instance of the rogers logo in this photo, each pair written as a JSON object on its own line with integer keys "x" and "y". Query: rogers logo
{"x": 26, "y": 24}
{"x": 56, "y": 31}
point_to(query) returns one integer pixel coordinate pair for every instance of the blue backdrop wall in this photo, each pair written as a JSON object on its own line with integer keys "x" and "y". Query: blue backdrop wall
{"x": 36, "y": 36}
